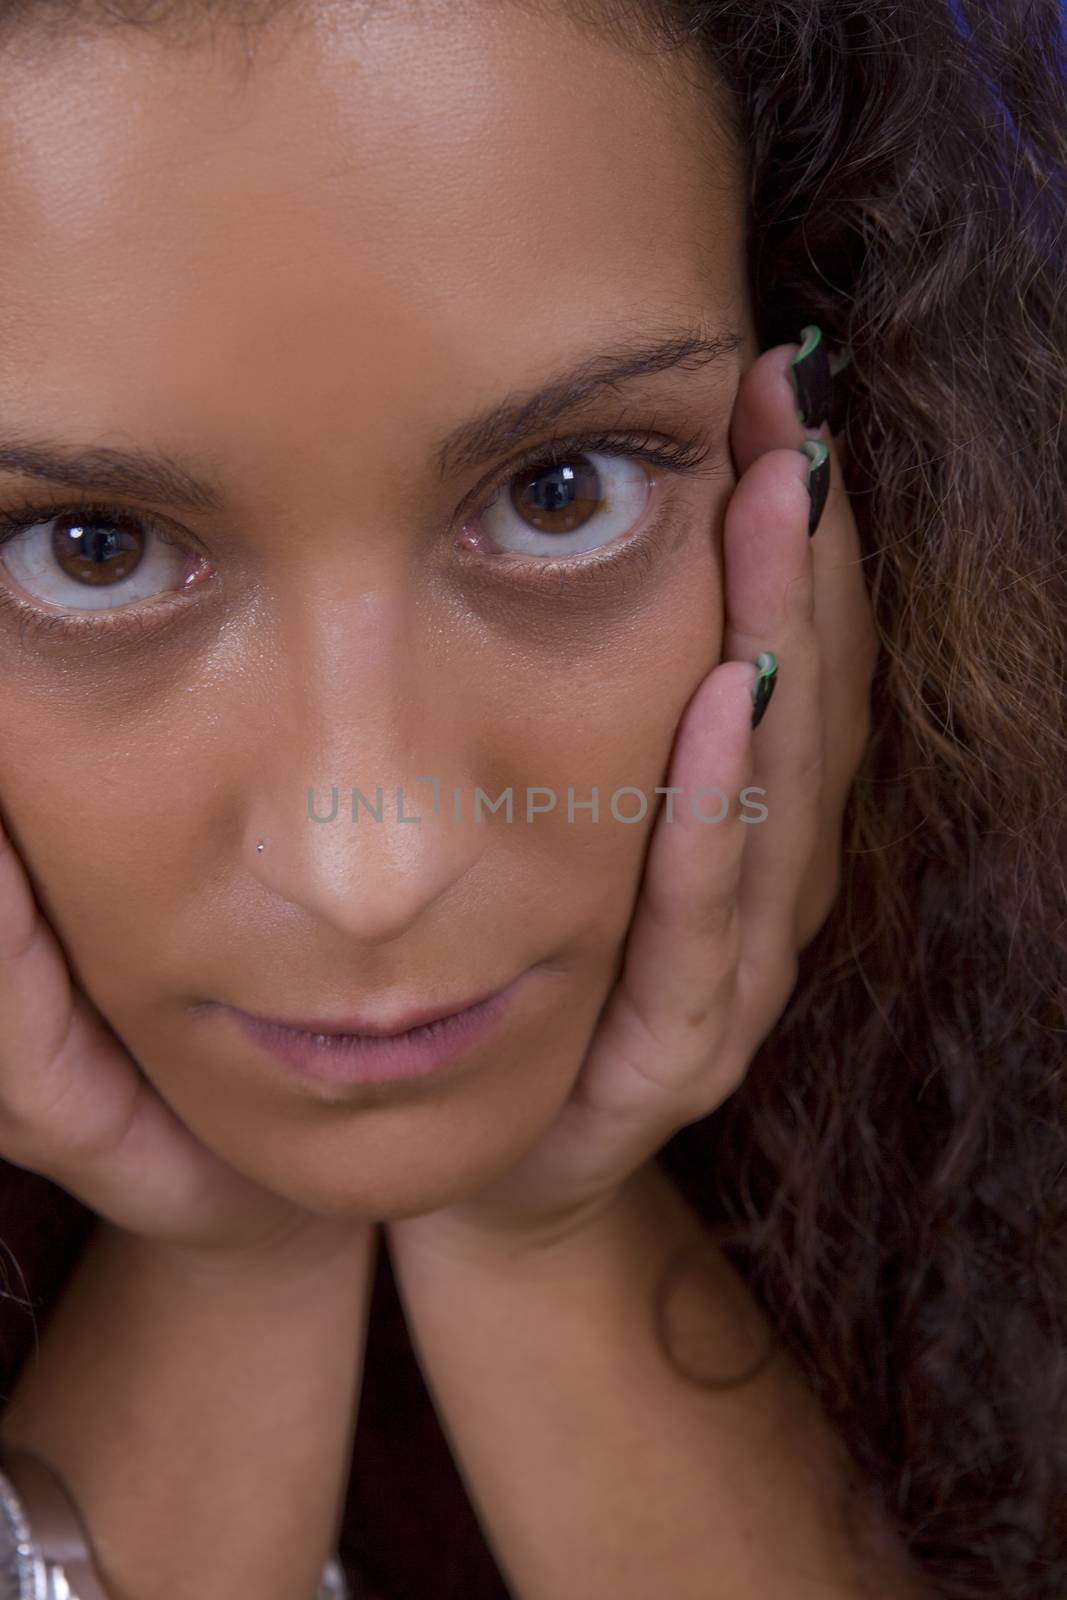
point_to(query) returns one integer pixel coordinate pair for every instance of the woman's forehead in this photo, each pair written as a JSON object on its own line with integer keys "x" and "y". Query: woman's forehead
{"x": 395, "y": 131}
{"x": 402, "y": 194}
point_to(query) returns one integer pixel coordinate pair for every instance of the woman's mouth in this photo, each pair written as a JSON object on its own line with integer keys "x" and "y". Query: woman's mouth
{"x": 426, "y": 1045}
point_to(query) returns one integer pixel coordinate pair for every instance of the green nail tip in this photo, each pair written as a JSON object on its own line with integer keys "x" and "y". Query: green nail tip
{"x": 763, "y": 688}
{"x": 846, "y": 357}
{"x": 810, "y": 337}
{"x": 816, "y": 452}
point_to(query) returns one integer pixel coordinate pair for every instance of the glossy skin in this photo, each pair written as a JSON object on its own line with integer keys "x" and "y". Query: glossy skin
{"x": 300, "y": 276}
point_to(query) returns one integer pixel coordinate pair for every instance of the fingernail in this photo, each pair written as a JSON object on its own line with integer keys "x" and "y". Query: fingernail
{"x": 817, "y": 480}
{"x": 810, "y": 371}
{"x": 763, "y": 687}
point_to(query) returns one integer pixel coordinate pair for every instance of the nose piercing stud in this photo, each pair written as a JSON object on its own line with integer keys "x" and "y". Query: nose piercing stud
{"x": 259, "y": 846}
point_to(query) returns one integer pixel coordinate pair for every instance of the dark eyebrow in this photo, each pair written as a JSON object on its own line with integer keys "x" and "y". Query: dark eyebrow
{"x": 160, "y": 477}
{"x": 137, "y": 473}
{"x": 521, "y": 414}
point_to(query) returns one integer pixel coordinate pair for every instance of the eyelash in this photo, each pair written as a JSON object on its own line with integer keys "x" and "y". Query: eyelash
{"x": 682, "y": 457}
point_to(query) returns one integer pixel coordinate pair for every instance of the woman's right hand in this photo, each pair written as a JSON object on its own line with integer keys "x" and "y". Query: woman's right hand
{"x": 76, "y": 1108}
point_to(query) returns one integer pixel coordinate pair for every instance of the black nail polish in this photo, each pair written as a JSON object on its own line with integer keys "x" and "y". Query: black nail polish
{"x": 818, "y": 479}
{"x": 810, "y": 371}
{"x": 763, "y": 687}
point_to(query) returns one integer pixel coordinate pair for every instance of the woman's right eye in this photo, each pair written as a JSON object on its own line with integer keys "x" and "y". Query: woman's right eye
{"x": 92, "y": 558}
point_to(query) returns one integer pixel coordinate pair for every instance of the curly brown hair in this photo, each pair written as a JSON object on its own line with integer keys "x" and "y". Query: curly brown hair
{"x": 891, "y": 1178}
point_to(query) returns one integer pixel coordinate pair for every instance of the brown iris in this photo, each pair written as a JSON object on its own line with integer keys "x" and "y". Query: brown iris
{"x": 558, "y": 498}
{"x": 97, "y": 552}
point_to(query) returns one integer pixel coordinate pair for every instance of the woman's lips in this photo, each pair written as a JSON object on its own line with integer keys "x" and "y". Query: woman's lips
{"x": 370, "y": 1028}
{"x": 327, "y": 1056}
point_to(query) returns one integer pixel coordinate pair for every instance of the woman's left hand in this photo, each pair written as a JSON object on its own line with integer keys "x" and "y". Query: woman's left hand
{"x": 722, "y": 910}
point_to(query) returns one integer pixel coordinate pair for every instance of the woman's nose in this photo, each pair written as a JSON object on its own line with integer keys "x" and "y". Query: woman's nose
{"x": 368, "y": 858}
{"x": 343, "y": 759}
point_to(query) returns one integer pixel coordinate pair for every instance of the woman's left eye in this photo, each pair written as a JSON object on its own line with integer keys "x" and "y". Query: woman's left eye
{"x": 580, "y": 503}
{"x": 576, "y": 498}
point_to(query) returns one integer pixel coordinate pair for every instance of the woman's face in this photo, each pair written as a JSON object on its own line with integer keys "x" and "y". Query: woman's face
{"x": 296, "y": 278}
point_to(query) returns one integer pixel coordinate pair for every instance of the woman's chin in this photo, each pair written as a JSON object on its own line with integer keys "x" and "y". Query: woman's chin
{"x": 383, "y": 1180}
{"x": 365, "y": 1202}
